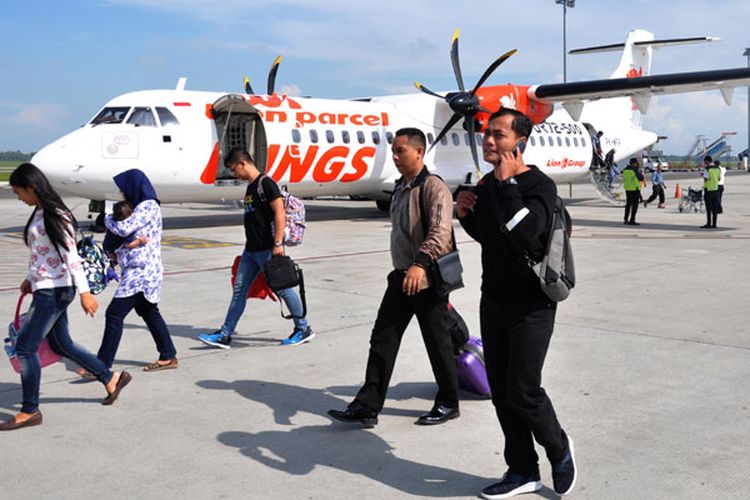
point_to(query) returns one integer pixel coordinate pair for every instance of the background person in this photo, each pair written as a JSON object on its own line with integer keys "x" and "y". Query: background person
{"x": 509, "y": 214}
{"x": 409, "y": 291}
{"x": 55, "y": 274}
{"x": 711, "y": 175}
{"x": 657, "y": 188}
{"x": 631, "y": 182}
{"x": 261, "y": 244}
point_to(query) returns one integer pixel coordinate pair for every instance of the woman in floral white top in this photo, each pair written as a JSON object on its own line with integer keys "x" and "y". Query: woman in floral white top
{"x": 140, "y": 286}
{"x": 55, "y": 272}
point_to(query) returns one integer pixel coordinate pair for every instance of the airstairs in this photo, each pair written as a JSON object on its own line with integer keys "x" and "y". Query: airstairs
{"x": 613, "y": 193}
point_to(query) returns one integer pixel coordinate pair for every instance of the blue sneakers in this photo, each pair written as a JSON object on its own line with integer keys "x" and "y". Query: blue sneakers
{"x": 216, "y": 339}
{"x": 299, "y": 337}
{"x": 512, "y": 484}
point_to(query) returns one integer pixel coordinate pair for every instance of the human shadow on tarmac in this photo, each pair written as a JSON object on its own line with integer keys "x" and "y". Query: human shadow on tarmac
{"x": 691, "y": 226}
{"x": 299, "y": 450}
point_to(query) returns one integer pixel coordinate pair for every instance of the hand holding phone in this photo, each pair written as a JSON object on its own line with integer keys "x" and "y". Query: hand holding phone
{"x": 520, "y": 146}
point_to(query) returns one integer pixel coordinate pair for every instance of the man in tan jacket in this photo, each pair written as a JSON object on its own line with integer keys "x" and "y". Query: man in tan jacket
{"x": 409, "y": 290}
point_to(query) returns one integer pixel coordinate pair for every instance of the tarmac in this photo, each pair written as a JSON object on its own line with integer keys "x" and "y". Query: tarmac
{"x": 647, "y": 370}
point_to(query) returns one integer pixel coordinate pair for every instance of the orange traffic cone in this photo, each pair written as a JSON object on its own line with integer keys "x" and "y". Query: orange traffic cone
{"x": 677, "y": 193}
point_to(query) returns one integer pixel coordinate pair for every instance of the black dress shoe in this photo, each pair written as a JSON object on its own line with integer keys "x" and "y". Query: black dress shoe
{"x": 11, "y": 425}
{"x": 438, "y": 415}
{"x": 356, "y": 415}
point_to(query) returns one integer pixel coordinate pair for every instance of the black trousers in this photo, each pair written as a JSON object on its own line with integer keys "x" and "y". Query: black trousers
{"x": 658, "y": 191}
{"x": 516, "y": 334}
{"x": 632, "y": 199}
{"x": 712, "y": 206}
{"x": 395, "y": 313}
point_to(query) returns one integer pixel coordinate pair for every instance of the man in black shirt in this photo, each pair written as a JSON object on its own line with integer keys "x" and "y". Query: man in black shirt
{"x": 264, "y": 204}
{"x": 510, "y": 213}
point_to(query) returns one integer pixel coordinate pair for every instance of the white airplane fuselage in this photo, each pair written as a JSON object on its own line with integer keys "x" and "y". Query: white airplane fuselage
{"x": 315, "y": 147}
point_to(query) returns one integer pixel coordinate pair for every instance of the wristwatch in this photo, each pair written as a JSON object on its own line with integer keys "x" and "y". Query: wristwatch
{"x": 278, "y": 243}
{"x": 509, "y": 180}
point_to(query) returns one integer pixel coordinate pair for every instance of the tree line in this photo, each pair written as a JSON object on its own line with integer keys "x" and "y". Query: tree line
{"x": 15, "y": 156}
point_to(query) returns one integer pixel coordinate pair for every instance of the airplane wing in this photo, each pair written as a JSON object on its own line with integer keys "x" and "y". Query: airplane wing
{"x": 572, "y": 95}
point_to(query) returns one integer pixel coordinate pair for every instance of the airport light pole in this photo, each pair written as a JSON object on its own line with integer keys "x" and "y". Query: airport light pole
{"x": 565, "y": 4}
{"x": 747, "y": 54}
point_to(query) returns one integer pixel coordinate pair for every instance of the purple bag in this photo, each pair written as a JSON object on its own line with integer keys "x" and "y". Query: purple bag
{"x": 472, "y": 375}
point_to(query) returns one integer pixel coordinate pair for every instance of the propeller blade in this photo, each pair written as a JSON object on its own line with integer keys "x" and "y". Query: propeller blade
{"x": 455, "y": 61}
{"x": 492, "y": 67}
{"x": 473, "y": 144}
{"x": 428, "y": 91}
{"x": 272, "y": 75}
{"x": 454, "y": 119}
{"x": 248, "y": 87}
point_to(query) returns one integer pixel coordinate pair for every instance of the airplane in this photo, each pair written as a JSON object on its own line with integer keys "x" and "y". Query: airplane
{"x": 316, "y": 147}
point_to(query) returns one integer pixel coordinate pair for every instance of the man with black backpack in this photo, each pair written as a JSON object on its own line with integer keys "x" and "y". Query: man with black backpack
{"x": 510, "y": 213}
{"x": 264, "y": 238}
{"x": 410, "y": 292}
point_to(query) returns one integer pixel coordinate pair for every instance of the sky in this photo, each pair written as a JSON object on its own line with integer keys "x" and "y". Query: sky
{"x": 62, "y": 60}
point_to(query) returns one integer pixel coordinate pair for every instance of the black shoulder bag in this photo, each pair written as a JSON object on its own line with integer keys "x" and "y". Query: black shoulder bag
{"x": 447, "y": 269}
{"x": 282, "y": 273}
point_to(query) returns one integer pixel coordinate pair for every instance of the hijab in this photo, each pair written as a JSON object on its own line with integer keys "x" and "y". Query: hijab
{"x": 135, "y": 186}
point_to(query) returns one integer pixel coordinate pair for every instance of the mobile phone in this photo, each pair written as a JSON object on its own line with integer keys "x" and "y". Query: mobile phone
{"x": 520, "y": 146}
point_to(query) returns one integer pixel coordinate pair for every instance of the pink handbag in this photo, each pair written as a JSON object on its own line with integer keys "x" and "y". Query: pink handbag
{"x": 46, "y": 355}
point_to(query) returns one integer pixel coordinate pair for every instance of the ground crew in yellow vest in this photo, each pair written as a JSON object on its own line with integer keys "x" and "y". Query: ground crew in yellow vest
{"x": 632, "y": 178}
{"x": 711, "y": 174}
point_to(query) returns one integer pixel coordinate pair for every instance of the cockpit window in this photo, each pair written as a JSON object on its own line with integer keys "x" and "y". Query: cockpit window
{"x": 142, "y": 117}
{"x": 110, "y": 115}
{"x": 166, "y": 117}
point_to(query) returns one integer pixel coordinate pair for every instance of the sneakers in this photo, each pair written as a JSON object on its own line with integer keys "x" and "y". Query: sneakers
{"x": 299, "y": 337}
{"x": 564, "y": 472}
{"x": 513, "y": 484}
{"x": 216, "y": 339}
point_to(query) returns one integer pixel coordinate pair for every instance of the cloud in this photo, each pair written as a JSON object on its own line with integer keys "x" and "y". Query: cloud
{"x": 47, "y": 116}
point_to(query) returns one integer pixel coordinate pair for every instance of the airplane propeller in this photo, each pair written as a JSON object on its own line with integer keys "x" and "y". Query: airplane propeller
{"x": 271, "y": 78}
{"x": 464, "y": 104}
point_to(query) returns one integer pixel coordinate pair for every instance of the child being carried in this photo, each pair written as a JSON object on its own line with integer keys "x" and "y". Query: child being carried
{"x": 118, "y": 247}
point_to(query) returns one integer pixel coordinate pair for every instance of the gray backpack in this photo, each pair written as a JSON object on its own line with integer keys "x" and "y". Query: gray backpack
{"x": 556, "y": 270}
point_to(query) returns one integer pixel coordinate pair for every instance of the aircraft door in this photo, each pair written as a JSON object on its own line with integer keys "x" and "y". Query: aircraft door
{"x": 238, "y": 124}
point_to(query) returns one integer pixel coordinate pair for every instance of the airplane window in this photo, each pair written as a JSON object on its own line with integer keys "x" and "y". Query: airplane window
{"x": 389, "y": 137}
{"x": 110, "y": 115}
{"x": 314, "y": 136}
{"x": 575, "y": 141}
{"x": 375, "y": 137}
{"x": 360, "y": 137}
{"x": 532, "y": 141}
{"x": 296, "y": 136}
{"x": 541, "y": 140}
{"x": 567, "y": 141}
{"x": 345, "y": 136}
{"x": 551, "y": 140}
{"x": 455, "y": 139}
{"x": 479, "y": 139}
{"x": 142, "y": 117}
{"x": 430, "y": 138}
{"x": 583, "y": 142}
{"x": 166, "y": 117}
{"x": 329, "y": 136}
{"x": 466, "y": 139}
{"x": 559, "y": 141}
{"x": 444, "y": 140}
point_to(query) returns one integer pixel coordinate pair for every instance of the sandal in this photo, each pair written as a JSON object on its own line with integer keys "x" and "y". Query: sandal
{"x": 156, "y": 366}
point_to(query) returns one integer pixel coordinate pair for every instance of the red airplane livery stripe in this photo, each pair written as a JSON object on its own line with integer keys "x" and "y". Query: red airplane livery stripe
{"x": 181, "y": 103}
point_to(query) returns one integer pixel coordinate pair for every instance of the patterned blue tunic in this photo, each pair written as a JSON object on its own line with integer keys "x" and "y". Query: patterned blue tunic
{"x": 146, "y": 221}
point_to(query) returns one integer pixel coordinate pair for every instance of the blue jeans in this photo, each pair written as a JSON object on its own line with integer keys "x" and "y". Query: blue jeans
{"x": 252, "y": 263}
{"x": 115, "y": 318}
{"x": 48, "y": 317}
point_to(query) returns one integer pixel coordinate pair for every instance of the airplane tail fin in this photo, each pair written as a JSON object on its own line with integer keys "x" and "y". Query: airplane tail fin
{"x": 637, "y": 53}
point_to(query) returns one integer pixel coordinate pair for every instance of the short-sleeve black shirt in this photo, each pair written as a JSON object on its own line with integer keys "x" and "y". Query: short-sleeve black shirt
{"x": 259, "y": 215}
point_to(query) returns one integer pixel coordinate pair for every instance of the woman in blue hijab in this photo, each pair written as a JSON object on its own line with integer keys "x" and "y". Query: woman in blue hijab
{"x": 140, "y": 284}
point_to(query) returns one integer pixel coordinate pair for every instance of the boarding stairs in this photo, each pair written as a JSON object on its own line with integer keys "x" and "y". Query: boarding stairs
{"x": 613, "y": 193}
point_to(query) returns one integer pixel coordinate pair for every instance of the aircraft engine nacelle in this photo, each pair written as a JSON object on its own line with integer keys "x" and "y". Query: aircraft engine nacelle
{"x": 514, "y": 97}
